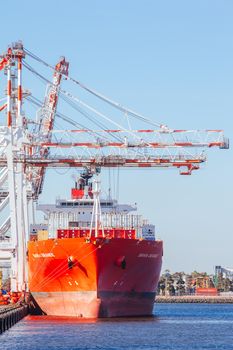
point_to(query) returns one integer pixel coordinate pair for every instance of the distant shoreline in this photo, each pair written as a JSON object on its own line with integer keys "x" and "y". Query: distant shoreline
{"x": 195, "y": 299}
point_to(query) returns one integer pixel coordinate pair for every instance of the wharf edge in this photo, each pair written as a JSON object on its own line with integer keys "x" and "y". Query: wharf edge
{"x": 195, "y": 299}
{"x": 11, "y": 314}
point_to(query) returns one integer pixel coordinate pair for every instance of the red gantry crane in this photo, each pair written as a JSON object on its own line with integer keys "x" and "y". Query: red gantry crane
{"x": 90, "y": 139}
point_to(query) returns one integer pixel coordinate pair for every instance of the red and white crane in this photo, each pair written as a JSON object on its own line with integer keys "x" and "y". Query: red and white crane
{"x": 46, "y": 116}
{"x": 30, "y": 145}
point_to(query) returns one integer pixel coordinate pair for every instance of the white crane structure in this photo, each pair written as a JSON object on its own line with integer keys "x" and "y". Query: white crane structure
{"x": 226, "y": 272}
{"x": 52, "y": 139}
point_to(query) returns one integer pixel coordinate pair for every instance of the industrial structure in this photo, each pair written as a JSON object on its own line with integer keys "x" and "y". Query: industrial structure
{"x": 29, "y": 144}
{"x": 224, "y": 272}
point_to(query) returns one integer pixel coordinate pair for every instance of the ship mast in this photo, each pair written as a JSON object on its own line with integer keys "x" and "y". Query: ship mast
{"x": 96, "y": 217}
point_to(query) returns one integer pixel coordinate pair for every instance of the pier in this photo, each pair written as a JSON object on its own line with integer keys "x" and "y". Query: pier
{"x": 195, "y": 299}
{"x": 11, "y": 314}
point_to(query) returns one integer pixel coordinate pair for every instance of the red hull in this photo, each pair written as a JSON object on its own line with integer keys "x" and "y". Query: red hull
{"x": 97, "y": 278}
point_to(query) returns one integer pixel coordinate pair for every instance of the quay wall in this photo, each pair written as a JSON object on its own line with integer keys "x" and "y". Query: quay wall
{"x": 11, "y": 314}
{"x": 195, "y": 299}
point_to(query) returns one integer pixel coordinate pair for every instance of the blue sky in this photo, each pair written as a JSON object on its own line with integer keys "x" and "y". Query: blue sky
{"x": 171, "y": 61}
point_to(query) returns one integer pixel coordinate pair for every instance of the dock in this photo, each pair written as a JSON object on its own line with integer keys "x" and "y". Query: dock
{"x": 11, "y": 314}
{"x": 195, "y": 299}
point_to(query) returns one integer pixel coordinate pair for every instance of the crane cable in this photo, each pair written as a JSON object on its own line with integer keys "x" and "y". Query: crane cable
{"x": 77, "y": 100}
{"x": 69, "y": 120}
{"x": 62, "y": 116}
{"x": 89, "y": 117}
{"x": 68, "y": 96}
{"x": 97, "y": 94}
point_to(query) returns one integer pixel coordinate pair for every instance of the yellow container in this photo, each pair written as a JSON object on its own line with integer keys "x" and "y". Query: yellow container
{"x": 42, "y": 235}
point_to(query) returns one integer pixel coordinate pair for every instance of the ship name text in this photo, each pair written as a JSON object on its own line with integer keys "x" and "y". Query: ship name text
{"x": 147, "y": 255}
{"x": 43, "y": 255}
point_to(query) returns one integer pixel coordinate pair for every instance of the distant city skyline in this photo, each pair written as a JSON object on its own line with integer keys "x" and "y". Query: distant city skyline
{"x": 171, "y": 61}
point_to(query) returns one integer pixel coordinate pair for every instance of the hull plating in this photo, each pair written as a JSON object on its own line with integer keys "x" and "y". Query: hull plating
{"x": 97, "y": 278}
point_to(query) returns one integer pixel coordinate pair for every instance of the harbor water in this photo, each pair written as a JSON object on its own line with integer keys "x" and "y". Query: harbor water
{"x": 173, "y": 326}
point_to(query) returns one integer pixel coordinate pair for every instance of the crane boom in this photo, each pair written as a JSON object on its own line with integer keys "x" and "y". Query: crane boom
{"x": 46, "y": 118}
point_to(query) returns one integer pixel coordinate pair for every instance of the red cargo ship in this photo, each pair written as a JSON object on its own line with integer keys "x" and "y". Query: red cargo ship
{"x": 79, "y": 266}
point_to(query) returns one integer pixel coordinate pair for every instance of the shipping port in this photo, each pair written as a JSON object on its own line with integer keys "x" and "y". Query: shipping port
{"x": 90, "y": 256}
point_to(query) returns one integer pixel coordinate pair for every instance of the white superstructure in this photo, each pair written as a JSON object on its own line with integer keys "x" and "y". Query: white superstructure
{"x": 78, "y": 213}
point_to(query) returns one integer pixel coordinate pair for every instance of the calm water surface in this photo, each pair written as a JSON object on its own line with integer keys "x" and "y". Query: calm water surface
{"x": 174, "y": 326}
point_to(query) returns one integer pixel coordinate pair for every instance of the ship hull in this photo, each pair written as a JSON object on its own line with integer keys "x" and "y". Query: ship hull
{"x": 94, "y": 278}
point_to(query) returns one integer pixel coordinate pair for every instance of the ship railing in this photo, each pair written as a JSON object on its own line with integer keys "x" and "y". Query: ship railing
{"x": 106, "y": 233}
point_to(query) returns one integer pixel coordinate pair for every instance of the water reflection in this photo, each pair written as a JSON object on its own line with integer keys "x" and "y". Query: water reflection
{"x": 177, "y": 327}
